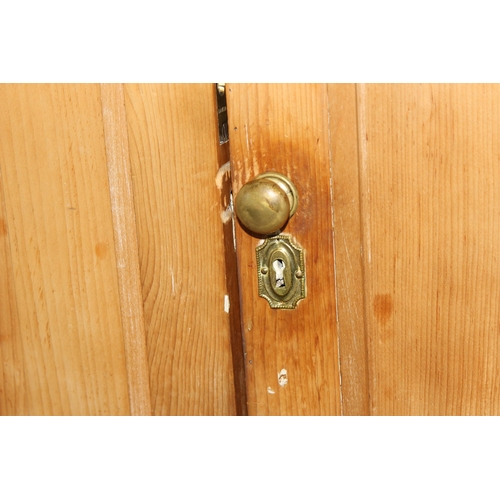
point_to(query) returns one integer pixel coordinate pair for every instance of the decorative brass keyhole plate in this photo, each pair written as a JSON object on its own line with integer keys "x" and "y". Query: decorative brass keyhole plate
{"x": 281, "y": 272}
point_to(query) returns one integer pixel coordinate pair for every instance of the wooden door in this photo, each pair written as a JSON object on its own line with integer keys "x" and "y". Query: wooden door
{"x": 113, "y": 293}
{"x": 121, "y": 291}
{"x": 399, "y": 216}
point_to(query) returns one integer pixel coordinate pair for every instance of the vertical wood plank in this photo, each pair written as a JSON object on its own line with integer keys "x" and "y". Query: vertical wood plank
{"x": 348, "y": 249}
{"x": 174, "y": 163}
{"x": 430, "y": 177}
{"x": 68, "y": 340}
{"x": 13, "y": 394}
{"x": 127, "y": 254}
{"x": 284, "y": 128}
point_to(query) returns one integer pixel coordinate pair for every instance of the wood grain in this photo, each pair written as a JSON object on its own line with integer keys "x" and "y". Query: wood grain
{"x": 13, "y": 394}
{"x": 127, "y": 254}
{"x": 232, "y": 281}
{"x": 284, "y": 128}
{"x": 174, "y": 163}
{"x": 398, "y": 215}
{"x": 61, "y": 341}
{"x": 348, "y": 249}
{"x": 430, "y": 178}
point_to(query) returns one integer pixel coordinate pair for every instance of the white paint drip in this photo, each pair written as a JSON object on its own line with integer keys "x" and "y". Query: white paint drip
{"x": 226, "y": 215}
{"x": 283, "y": 377}
{"x": 270, "y": 391}
{"x": 219, "y": 178}
{"x": 226, "y": 304}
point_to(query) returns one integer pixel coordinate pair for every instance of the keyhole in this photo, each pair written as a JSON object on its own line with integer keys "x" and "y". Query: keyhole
{"x": 278, "y": 266}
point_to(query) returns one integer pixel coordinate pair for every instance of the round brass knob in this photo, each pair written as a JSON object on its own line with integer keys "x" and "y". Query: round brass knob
{"x": 265, "y": 204}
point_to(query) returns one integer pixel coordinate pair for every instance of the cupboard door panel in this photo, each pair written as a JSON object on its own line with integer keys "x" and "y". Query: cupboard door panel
{"x": 61, "y": 342}
{"x": 174, "y": 161}
{"x": 284, "y": 128}
{"x": 430, "y": 178}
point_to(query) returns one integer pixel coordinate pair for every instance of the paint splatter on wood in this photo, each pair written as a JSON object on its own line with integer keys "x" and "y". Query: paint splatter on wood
{"x": 283, "y": 377}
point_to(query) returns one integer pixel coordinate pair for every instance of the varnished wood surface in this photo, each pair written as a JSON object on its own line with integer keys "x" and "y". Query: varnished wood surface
{"x": 127, "y": 255}
{"x": 103, "y": 314}
{"x": 232, "y": 280}
{"x": 174, "y": 163}
{"x": 414, "y": 178}
{"x": 13, "y": 393}
{"x": 72, "y": 323}
{"x": 430, "y": 181}
{"x": 61, "y": 339}
{"x": 348, "y": 249}
{"x": 284, "y": 128}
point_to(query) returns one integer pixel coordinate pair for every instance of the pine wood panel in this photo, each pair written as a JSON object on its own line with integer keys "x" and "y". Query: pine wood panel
{"x": 285, "y": 128}
{"x": 173, "y": 151}
{"x": 430, "y": 178}
{"x": 127, "y": 254}
{"x": 348, "y": 249}
{"x": 61, "y": 341}
{"x": 13, "y": 394}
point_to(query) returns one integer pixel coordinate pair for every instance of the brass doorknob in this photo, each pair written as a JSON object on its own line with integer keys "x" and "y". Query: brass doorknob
{"x": 265, "y": 204}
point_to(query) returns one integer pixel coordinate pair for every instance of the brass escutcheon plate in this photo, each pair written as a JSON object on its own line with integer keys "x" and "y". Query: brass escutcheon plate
{"x": 281, "y": 272}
